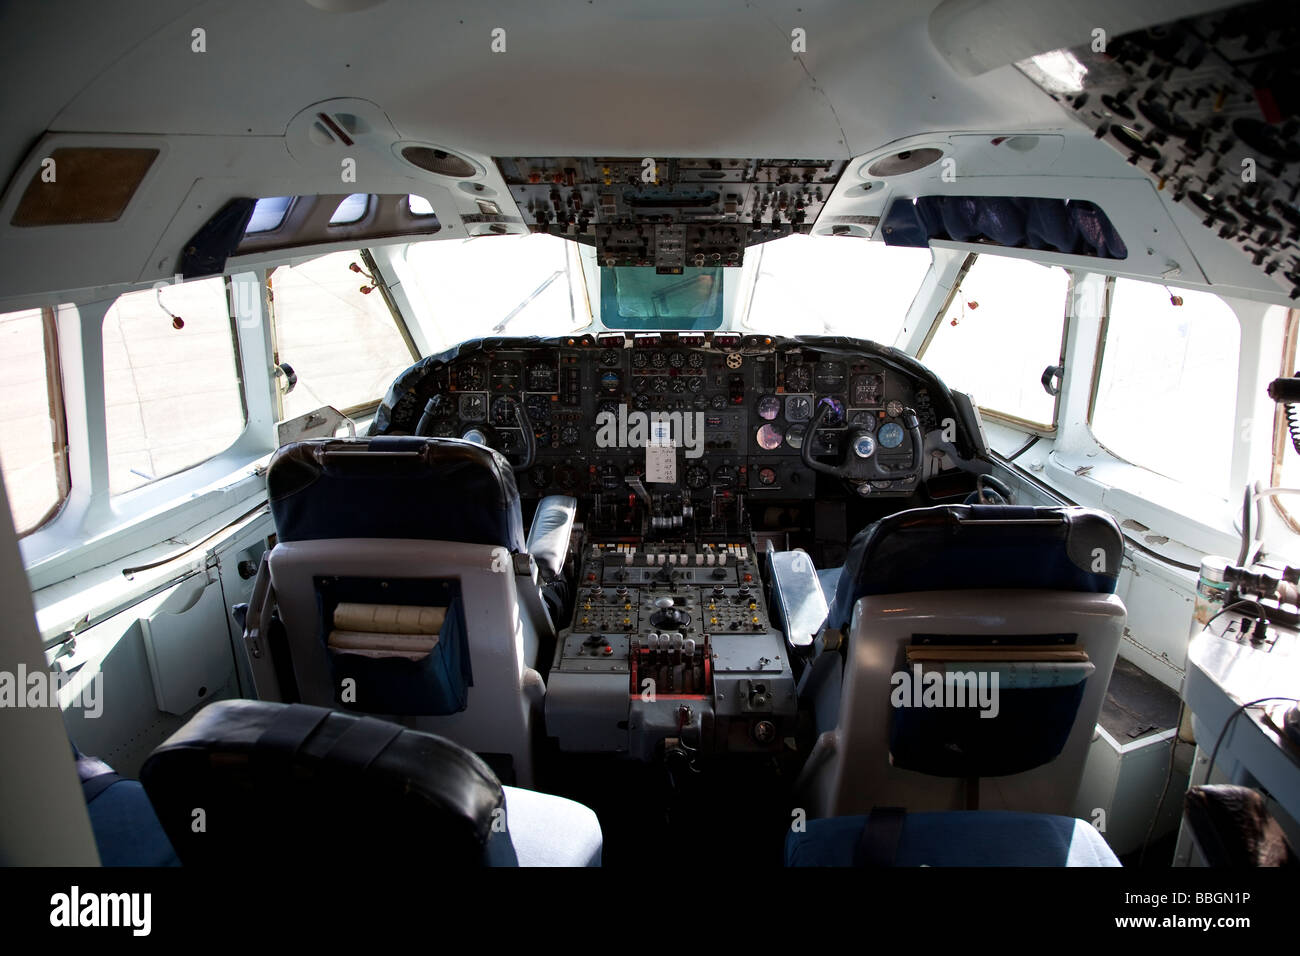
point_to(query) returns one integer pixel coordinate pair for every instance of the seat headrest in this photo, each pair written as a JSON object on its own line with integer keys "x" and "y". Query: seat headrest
{"x": 306, "y": 785}
{"x": 430, "y": 489}
{"x": 951, "y": 547}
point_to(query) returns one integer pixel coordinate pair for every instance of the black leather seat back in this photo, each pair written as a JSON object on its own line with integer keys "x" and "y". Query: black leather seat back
{"x": 250, "y": 781}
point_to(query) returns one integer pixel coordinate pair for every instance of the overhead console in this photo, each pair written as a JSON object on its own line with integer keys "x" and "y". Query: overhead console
{"x": 670, "y": 213}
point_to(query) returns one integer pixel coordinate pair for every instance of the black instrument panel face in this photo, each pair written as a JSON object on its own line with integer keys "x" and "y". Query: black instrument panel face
{"x": 739, "y": 415}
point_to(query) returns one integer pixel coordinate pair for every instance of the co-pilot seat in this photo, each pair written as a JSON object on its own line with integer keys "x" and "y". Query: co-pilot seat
{"x": 931, "y": 602}
{"x": 404, "y": 588}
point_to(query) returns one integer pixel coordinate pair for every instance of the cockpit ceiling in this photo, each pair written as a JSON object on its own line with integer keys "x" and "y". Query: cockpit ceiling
{"x": 670, "y": 213}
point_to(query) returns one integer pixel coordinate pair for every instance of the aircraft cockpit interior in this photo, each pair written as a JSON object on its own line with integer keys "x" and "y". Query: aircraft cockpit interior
{"x": 829, "y": 435}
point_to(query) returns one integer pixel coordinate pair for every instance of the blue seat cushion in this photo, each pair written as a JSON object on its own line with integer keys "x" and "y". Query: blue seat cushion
{"x": 127, "y": 831}
{"x": 953, "y": 547}
{"x": 959, "y": 838}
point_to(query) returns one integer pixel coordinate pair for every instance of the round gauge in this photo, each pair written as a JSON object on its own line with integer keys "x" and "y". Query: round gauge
{"x": 894, "y": 408}
{"x": 539, "y": 409}
{"x": 769, "y": 437}
{"x": 609, "y": 358}
{"x": 605, "y": 406}
{"x": 834, "y": 417}
{"x": 766, "y": 476}
{"x": 610, "y": 382}
{"x": 473, "y": 408}
{"x": 794, "y": 435}
{"x": 503, "y": 411}
{"x": 505, "y": 377}
{"x": 695, "y": 360}
{"x": 444, "y": 430}
{"x": 658, "y": 359}
{"x": 640, "y": 383}
{"x": 677, "y": 360}
{"x": 864, "y": 446}
{"x": 540, "y": 476}
{"x": 641, "y": 403}
{"x": 638, "y": 359}
{"x": 866, "y": 389}
{"x": 569, "y": 435}
{"x": 470, "y": 378}
{"x": 798, "y": 408}
{"x": 718, "y": 402}
{"x": 798, "y": 378}
{"x": 725, "y": 477}
{"x": 660, "y": 384}
{"x": 475, "y": 435}
{"x": 697, "y": 477}
{"x": 863, "y": 419}
{"x": 611, "y": 478}
{"x": 769, "y": 406}
{"x": 695, "y": 383}
{"x": 566, "y": 476}
{"x": 890, "y": 435}
{"x": 678, "y": 385}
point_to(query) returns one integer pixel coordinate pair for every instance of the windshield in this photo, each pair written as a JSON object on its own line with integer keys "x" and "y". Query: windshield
{"x": 832, "y": 285}
{"x": 544, "y": 285}
{"x": 500, "y": 285}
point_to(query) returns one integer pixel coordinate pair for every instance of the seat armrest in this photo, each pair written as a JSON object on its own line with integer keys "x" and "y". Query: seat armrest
{"x": 797, "y": 598}
{"x": 548, "y": 538}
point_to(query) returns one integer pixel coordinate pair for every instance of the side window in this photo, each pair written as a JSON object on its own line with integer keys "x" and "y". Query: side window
{"x": 1167, "y": 387}
{"x": 172, "y": 391}
{"x": 1004, "y": 327}
{"x": 33, "y": 441}
{"x": 343, "y": 344}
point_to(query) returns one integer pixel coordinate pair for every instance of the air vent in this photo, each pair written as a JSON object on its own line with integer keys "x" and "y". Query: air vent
{"x": 439, "y": 161}
{"x": 82, "y": 185}
{"x": 908, "y": 161}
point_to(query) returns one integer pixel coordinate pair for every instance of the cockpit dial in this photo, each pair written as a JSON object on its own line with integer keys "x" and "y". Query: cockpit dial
{"x": 798, "y": 408}
{"x": 769, "y": 406}
{"x": 473, "y": 408}
{"x": 798, "y": 378}
{"x": 503, "y": 411}
{"x": 769, "y": 437}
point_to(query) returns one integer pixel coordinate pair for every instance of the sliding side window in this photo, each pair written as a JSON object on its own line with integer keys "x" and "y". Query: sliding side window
{"x": 1167, "y": 389}
{"x": 336, "y": 332}
{"x": 172, "y": 392}
{"x": 1002, "y": 339}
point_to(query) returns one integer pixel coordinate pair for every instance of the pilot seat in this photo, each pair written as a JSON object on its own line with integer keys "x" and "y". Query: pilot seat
{"x": 401, "y": 585}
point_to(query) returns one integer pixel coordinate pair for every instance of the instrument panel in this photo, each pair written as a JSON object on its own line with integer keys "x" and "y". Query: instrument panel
{"x": 739, "y": 410}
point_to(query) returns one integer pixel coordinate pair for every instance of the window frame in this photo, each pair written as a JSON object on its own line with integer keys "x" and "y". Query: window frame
{"x": 1041, "y": 429}
{"x": 361, "y": 409}
{"x": 58, "y": 420}
{"x": 1281, "y": 433}
{"x": 227, "y": 289}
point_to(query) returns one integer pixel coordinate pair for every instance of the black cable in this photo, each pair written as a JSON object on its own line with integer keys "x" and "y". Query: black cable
{"x": 1169, "y": 776}
{"x": 1214, "y": 754}
{"x": 1033, "y": 440}
{"x": 1173, "y": 749}
{"x": 1293, "y": 424}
